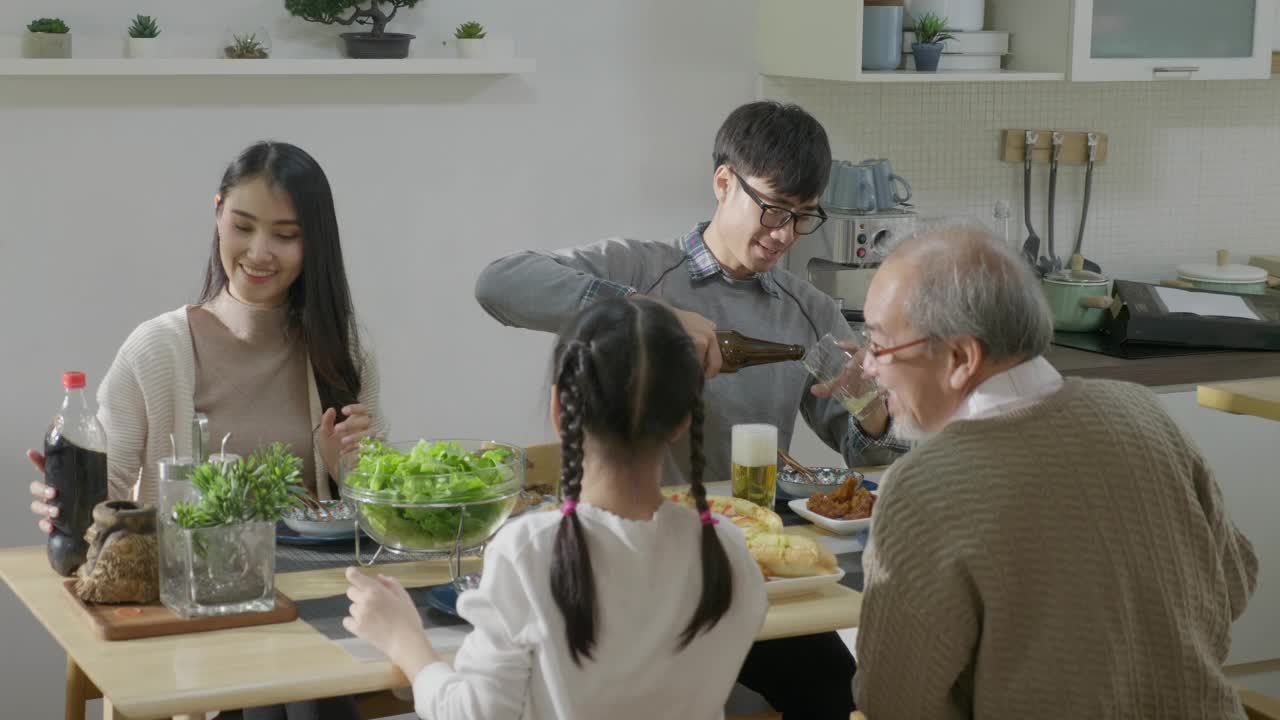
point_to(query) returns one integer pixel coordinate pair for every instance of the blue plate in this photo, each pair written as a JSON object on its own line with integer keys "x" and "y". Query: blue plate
{"x": 443, "y": 598}
{"x": 289, "y": 536}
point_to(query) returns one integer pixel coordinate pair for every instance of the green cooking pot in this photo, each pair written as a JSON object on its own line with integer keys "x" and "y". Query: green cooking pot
{"x": 1078, "y": 298}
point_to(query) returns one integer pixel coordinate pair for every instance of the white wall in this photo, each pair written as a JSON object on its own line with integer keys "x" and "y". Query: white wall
{"x": 1191, "y": 165}
{"x": 106, "y": 189}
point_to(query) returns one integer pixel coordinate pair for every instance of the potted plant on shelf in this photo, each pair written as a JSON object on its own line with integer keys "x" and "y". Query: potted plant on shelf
{"x": 374, "y": 43}
{"x": 217, "y": 548}
{"x": 470, "y": 39}
{"x": 48, "y": 38}
{"x": 142, "y": 41}
{"x": 247, "y": 47}
{"x": 931, "y": 33}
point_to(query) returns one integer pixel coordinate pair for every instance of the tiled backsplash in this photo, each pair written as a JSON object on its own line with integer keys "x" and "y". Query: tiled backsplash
{"x": 1192, "y": 166}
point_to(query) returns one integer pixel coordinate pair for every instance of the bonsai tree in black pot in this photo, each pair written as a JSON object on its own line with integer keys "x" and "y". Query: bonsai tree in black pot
{"x": 374, "y": 43}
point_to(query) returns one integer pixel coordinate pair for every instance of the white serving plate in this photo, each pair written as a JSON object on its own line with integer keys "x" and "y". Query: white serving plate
{"x": 784, "y": 587}
{"x": 839, "y": 527}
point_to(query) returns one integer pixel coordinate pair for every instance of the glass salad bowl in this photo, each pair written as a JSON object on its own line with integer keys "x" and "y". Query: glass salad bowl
{"x": 433, "y": 495}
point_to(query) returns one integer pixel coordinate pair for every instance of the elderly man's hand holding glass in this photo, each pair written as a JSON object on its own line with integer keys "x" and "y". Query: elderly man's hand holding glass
{"x": 837, "y": 366}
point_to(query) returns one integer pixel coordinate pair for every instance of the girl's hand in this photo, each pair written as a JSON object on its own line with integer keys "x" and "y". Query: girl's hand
{"x": 43, "y": 498}
{"x": 335, "y": 439}
{"x": 383, "y": 614}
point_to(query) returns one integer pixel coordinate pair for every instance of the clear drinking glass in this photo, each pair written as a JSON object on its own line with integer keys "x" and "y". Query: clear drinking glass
{"x": 754, "y": 453}
{"x": 833, "y": 365}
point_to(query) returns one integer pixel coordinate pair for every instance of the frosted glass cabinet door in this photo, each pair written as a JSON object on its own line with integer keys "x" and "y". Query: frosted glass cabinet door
{"x": 1172, "y": 39}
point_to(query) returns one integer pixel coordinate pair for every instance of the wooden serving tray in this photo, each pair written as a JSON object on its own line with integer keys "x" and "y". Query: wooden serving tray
{"x": 132, "y": 621}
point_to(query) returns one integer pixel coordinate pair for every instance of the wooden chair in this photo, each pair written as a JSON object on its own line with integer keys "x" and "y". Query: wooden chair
{"x": 1258, "y": 706}
{"x": 542, "y": 465}
{"x": 382, "y": 704}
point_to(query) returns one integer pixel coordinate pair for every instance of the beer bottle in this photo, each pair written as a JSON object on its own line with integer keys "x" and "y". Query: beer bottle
{"x": 738, "y": 351}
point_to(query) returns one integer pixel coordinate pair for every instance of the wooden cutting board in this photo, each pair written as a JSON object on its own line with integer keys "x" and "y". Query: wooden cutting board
{"x": 133, "y": 621}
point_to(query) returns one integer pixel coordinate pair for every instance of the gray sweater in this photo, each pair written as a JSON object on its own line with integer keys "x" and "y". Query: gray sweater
{"x": 1073, "y": 559}
{"x": 543, "y": 290}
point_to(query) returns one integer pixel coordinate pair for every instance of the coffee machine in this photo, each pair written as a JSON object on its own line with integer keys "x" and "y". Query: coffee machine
{"x": 842, "y": 256}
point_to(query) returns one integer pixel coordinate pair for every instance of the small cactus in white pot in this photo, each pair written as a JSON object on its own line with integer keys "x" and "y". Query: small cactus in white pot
{"x": 143, "y": 39}
{"x": 47, "y": 38}
{"x": 470, "y": 39}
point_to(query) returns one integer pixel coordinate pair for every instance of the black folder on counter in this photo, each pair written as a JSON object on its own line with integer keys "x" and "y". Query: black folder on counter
{"x": 1152, "y": 314}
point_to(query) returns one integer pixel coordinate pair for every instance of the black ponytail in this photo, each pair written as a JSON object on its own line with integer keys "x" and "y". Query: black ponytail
{"x": 717, "y": 574}
{"x": 573, "y": 583}
{"x": 627, "y": 375}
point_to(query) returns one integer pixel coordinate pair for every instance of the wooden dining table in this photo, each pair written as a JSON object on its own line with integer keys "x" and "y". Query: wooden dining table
{"x": 186, "y": 675}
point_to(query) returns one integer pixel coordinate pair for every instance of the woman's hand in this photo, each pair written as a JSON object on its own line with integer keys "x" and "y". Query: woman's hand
{"x": 383, "y": 614}
{"x": 43, "y": 497}
{"x": 335, "y": 439}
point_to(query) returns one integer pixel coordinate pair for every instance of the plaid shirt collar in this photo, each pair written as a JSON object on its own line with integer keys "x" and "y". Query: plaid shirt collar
{"x": 703, "y": 265}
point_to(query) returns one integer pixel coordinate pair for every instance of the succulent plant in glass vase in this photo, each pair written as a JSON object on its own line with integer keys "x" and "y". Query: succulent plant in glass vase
{"x": 247, "y": 46}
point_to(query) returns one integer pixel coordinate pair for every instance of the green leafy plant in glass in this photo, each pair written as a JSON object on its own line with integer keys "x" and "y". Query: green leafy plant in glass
{"x": 259, "y": 488}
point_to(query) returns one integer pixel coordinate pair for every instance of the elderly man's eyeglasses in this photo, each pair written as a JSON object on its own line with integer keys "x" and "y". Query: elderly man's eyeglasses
{"x": 775, "y": 217}
{"x": 884, "y": 355}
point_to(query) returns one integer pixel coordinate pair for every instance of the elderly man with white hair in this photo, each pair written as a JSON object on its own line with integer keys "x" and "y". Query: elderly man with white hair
{"x": 1052, "y": 547}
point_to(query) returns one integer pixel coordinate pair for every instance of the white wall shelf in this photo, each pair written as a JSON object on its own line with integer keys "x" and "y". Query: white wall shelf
{"x": 115, "y": 67}
{"x": 958, "y": 76}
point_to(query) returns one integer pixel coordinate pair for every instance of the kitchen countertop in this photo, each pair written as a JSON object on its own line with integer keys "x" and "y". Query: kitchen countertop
{"x": 1163, "y": 371}
{"x": 1260, "y": 398}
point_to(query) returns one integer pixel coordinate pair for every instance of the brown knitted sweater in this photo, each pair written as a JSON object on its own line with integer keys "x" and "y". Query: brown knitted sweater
{"x": 1072, "y": 559}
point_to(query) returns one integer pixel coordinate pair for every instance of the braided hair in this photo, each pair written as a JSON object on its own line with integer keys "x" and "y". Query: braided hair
{"x": 626, "y": 372}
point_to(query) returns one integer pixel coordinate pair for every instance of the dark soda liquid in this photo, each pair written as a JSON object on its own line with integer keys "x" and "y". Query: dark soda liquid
{"x": 80, "y": 477}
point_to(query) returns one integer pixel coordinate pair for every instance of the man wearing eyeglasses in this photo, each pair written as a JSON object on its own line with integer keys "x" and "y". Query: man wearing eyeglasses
{"x": 771, "y": 163}
{"x": 1053, "y": 547}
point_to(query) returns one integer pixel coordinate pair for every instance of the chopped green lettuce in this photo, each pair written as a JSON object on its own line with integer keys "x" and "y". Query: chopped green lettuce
{"x": 443, "y": 472}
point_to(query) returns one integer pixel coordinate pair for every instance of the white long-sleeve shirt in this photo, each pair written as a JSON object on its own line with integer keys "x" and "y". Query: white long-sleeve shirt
{"x": 648, "y": 578}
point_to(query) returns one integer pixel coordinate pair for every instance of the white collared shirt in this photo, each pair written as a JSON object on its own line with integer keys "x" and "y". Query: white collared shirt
{"x": 1016, "y": 388}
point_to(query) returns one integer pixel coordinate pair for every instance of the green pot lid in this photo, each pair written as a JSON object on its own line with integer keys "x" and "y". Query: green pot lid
{"x": 1209, "y": 272}
{"x": 1067, "y": 276}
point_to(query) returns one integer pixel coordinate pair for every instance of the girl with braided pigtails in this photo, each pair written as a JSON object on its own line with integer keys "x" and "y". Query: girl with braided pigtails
{"x": 621, "y": 605}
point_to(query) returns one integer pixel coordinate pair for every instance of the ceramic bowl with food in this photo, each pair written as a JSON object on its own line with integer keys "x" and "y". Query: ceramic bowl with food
{"x": 337, "y": 520}
{"x": 798, "y": 486}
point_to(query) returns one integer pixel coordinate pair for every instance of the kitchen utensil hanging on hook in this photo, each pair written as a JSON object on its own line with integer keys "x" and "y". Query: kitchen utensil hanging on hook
{"x": 1054, "y": 262}
{"x": 1030, "y": 248}
{"x": 1084, "y": 208}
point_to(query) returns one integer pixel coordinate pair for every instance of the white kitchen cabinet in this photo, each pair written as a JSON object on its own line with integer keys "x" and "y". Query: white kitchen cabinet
{"x": 1172, "y": 39}
{"x": 1080, "y": 40}
{"x": 822, "y": 39}
{"x": 1275, "y": 33}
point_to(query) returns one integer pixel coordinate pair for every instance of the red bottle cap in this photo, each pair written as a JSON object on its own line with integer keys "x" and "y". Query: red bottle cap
{"x": 72, "y": 380}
